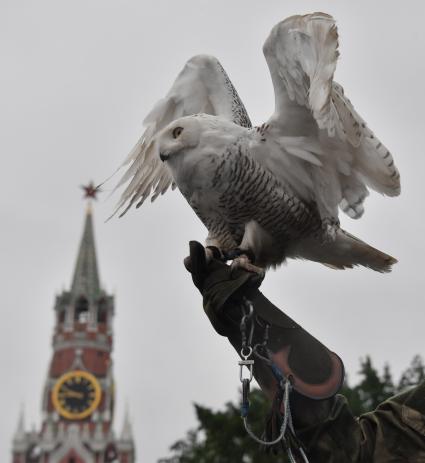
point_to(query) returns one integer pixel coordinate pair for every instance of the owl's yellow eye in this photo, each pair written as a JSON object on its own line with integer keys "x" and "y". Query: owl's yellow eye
{"x": 177, "y": 131}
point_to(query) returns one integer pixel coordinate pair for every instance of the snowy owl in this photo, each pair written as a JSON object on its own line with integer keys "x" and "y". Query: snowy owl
{"x": 270, "y": 192}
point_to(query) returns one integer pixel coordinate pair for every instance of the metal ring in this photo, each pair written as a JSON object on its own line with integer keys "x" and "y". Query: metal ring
{"x": 249, "y": 349}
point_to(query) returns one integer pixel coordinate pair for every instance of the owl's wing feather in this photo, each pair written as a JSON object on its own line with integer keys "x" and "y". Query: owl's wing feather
{"x": 201, "y": 87}
{"x": 302, "y": 53}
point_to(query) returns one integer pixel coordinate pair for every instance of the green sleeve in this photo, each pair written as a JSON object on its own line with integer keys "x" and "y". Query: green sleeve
{"x": 393, "y": 433}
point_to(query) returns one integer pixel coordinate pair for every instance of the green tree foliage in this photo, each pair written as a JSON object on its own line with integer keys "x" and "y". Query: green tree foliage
{"x": 414, "y": 374}
{"x": 221, "y": 438}
{"x": 372, "y": 389}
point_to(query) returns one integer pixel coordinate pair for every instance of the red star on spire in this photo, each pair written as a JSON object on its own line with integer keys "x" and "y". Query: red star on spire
{"x": 90, "y": 190}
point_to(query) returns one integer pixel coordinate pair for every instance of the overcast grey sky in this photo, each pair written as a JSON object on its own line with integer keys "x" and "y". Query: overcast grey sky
{"x": 77, "y": 79}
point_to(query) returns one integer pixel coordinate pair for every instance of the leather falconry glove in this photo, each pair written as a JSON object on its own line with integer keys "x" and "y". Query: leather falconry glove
{"x": 313, "y": 370}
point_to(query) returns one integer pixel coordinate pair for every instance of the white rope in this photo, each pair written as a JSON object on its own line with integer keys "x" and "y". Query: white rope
{"x": 282, "y": 427}
{"x": 245, "y": 353}
{"x": 287, "y": 422}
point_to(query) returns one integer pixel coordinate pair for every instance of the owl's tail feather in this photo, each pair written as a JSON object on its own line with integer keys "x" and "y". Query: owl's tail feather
{"x": 347, "y": 251}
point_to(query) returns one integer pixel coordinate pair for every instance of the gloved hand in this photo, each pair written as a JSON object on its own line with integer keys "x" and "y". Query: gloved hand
{"x": 222, "y": 288}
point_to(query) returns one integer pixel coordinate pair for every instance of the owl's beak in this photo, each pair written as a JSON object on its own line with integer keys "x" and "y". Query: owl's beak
{"x": 163, "y": 156}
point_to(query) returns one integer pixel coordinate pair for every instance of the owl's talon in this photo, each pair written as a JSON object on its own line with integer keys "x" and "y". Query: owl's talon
{"x": 244, "y": 262}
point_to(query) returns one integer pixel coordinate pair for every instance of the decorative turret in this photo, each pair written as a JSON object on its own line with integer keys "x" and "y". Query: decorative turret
{"x": 20, "y": 443}
{"x": 78, "y": 399}
{"x": 19, "y": 435}
{"x": 127, "y": 431}
{"x": 125, "y": 444}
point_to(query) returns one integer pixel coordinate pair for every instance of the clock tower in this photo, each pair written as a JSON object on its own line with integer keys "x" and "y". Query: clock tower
{"x": 78, "y": 397}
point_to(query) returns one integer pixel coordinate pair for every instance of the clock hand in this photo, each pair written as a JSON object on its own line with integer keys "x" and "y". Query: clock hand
{"x": 74, "y": 394}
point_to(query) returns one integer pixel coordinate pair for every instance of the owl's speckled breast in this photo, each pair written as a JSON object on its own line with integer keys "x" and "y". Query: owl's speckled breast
{"x": 242, "y": 191}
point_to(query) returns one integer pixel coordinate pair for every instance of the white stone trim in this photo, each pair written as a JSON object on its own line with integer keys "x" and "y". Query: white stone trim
{"x": 72, "y": 442}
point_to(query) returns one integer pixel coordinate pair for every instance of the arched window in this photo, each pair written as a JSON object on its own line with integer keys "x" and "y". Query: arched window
{"x": 101, "y": 317}
{"x": 82, "y": 310}
{"x": 102, "y": 311}
{"x": 61, "y": 316}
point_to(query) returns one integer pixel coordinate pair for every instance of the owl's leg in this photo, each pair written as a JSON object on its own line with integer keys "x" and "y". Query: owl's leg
{"x": 241, "y": 258}
{"x": 214, "y": 246}
{"x": 251, "y": 248}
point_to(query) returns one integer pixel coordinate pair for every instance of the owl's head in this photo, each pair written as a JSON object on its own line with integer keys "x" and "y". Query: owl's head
{"x": 190, "y": 145}
{"x": 178, "y": 137}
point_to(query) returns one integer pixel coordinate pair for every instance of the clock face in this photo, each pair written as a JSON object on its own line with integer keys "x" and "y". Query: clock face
{"x": 76, "y": 395}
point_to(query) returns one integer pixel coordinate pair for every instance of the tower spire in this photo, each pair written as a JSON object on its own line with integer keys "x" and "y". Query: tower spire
{"x": 20, "y": 428}
{"x": 127, "y": 431}
{"x": 125, "y": 444}
{"x": 20, "y": 437}
{"x": 86, "y": 276}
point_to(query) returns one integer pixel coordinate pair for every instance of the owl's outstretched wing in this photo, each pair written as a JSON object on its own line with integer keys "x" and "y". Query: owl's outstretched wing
{"x": 201, "y": 87}
{"x": 301, "y": 53}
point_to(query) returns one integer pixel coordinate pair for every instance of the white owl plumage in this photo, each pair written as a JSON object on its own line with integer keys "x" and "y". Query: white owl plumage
{"x": 273, "y": 190}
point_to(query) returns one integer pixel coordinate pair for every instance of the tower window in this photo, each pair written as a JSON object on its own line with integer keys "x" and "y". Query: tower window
{"x": 72, "y": 460}
{"x": 101, "y": 317}
{"x": 102, "y": 311}
{"x": 82, "y": 310}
